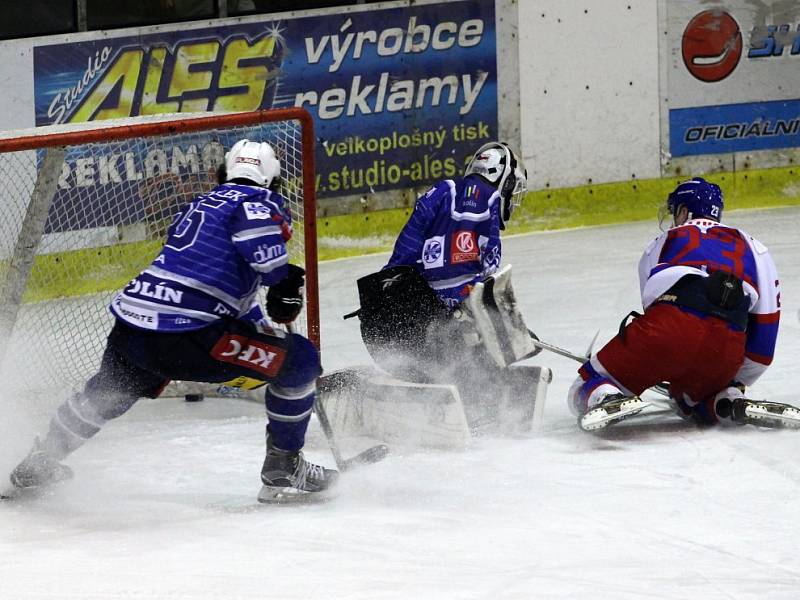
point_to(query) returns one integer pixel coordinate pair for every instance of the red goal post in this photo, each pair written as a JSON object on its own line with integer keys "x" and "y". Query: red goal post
{"x": 87, "y": 206}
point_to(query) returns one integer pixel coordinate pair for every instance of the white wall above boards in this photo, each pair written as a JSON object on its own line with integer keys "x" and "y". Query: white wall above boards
{"x": 589, "y": 90}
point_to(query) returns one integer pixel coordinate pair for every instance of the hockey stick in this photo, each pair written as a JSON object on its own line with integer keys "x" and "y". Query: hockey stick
{"x": 370, "y": 455}
{"x": 556, "y": 350}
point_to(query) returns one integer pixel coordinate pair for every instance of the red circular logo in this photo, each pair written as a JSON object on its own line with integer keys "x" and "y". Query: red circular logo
{"x": 464, "y": 241}
{"x": 712, "y": 45}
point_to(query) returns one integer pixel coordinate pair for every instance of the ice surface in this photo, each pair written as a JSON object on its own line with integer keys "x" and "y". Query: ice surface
{"x": 163, "y": 504}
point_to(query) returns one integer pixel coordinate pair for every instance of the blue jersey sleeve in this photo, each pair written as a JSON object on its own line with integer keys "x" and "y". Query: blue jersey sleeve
{"x": 409, "y": 244}
{"x": 260, "y": 229}
{"x": 491, "y": 252}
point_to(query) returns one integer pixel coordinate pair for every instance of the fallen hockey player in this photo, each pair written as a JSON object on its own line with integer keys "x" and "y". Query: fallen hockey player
{"x": 440, "y": 316}
{"x": 711, "y": 310}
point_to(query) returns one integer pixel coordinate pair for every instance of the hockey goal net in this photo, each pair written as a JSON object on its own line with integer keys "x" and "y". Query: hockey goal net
{"x": 86, "y": 207}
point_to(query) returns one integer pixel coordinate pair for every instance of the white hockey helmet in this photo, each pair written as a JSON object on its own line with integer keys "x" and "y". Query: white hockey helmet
{"x": 255, "y": 161}
{"x": 498, "y": 165}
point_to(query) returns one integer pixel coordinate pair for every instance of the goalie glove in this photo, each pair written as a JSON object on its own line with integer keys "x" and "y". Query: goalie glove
{"x": 285, "y": 298}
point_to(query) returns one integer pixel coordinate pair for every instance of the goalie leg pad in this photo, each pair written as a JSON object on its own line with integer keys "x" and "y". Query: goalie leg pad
{"x": 524, "y": 392}
{"x": 493, "y": 308}
{"x": 365, "y": 402}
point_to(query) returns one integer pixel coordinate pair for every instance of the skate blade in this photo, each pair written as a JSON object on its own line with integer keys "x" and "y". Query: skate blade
{"x": 11, "y": 494}
{"x": 290, "y": 495}
{"x": 773, "y": 415}
{"x": 603, "y": 416}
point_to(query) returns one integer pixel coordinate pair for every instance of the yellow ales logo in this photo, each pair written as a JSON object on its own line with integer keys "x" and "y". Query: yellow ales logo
{"x": 194, "y": 75}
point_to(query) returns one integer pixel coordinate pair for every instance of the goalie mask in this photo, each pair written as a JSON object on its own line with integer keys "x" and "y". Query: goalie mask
{"x": 498, "y": 165}
{"x": 701, "y": 198}
{"x": 254, "y": 161}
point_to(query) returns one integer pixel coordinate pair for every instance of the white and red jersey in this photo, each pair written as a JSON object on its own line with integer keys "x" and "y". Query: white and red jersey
{"x": 702, "y": 246}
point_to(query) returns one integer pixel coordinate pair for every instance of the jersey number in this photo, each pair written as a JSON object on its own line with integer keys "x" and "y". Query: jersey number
{"x": 186, "y": 228}
{"x": 716, "y": 249}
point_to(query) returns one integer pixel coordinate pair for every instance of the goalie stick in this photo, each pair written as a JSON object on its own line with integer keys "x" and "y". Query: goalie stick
{"x": 369, "y": 456}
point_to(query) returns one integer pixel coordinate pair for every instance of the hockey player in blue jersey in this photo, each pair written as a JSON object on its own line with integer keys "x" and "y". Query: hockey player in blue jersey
{"x": 450, "y": 242}
{"x": 453, "y": 236}
{"x": 189, "y": 316}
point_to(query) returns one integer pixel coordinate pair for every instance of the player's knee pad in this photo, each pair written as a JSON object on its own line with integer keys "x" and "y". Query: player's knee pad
{"x": 302, "y": 365}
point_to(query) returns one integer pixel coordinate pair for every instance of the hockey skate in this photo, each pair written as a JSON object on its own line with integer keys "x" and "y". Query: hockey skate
{"x": 760, "y": 413}
{"x": 289, "y": 478}
{"x": 36, "y": 472}
{"x": 610, "y": 410}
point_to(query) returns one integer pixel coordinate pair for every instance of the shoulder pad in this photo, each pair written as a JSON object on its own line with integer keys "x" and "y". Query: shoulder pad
{"x": 757, "y": 246}
{"x": 440, "y": 187}
{"x": 653, "y": 243}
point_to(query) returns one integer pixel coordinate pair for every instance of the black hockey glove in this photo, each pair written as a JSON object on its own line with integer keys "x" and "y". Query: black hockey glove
{"x": 285, "y": 298}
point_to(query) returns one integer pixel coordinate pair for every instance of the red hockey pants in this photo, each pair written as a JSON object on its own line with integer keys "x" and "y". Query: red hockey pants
{"x": 698, "y": 356}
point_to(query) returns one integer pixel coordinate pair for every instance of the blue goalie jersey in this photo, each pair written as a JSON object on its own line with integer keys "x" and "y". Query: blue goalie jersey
{"x": 453, "y": 236}
{"x": 220, "y": 248}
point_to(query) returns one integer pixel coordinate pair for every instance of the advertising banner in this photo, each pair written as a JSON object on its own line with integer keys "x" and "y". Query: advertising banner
{"x": 732, "y": 76}
{"x": 400, "y": 96}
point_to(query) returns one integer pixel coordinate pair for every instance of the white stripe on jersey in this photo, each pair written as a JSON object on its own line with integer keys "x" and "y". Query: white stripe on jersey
{"x": 167, "y": 309}
{"x": 267, "y": 199}
{"x": 270, "y": 265}
{"x": 249, "y": 234}
{"x": 194, "y": 283}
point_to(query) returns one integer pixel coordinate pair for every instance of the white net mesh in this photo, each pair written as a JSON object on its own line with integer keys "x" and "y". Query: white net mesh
{"x": 113, "y": 203}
